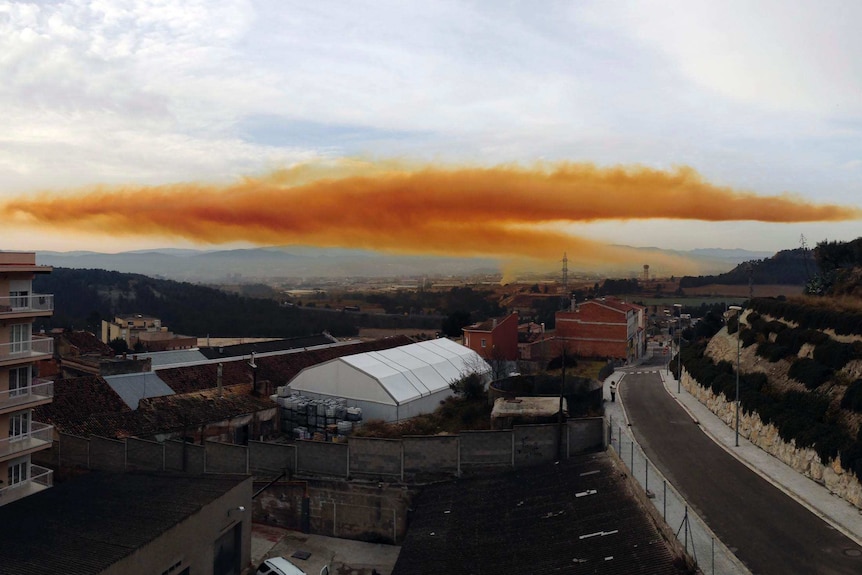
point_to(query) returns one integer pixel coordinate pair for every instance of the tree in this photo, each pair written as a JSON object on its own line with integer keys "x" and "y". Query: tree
{"x": 119, "y": 345}
{"x": 469, "y": 386}
{"x": 456, "y": 321}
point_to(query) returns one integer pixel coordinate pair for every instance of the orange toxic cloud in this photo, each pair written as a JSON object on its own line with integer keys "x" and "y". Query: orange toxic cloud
{"x": 509, "y": 212}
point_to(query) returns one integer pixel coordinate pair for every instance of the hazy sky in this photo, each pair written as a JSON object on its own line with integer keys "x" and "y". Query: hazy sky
{"x": 762, "y": 96}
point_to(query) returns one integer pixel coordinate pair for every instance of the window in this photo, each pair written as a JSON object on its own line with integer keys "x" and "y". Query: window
{"x": 19, "y": 471}
{"x": 20, "y": 338}
{"x": 19, "y": 381}
{"x": 484, "y": 343}
{"x": 19, "y": 294}
{"x": 19, "y": 426}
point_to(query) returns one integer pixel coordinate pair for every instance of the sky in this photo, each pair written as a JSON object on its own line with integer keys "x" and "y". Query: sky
{"x": 130, "y": 96}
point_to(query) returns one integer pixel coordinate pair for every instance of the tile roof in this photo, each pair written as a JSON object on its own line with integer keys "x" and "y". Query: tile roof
{"x": 79, "y": 400}
{"x": 228, "y": 351}
{"x": 87, "y": 343}
{"x": 87, "y": 524}
{"x": 89, "y": 406}
{"x": 531, "y": 520}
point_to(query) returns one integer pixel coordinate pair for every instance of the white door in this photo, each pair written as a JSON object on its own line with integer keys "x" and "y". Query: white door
{"x": 19, "y": 381}
{"x": 19, "y": 426}
{"x": 19, "y": 471}
{"x": 21, "y": 336}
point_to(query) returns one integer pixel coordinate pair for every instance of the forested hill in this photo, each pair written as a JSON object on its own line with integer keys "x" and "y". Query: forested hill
{"x": 787, "y": 267}
{"x": 83, "y": 297}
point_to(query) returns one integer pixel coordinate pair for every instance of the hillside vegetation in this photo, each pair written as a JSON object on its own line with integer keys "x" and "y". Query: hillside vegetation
{"x": 801, "y": 360}
{"x": 82, "y": 298}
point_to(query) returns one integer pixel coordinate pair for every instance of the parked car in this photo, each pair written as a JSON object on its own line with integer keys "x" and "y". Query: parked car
{"x": 281, "y": 566}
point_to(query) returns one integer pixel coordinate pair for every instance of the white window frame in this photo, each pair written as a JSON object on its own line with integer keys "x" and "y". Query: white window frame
{"x": 19, "y": 294}
{"x": 20, "y": 380}
{"x": 20, "y": 335}
{"x": 20, "y": 425}
{"x": 19, "y": 471}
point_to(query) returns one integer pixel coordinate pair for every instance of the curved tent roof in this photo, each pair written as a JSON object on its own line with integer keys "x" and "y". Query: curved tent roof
{"x": 404, "y": 373}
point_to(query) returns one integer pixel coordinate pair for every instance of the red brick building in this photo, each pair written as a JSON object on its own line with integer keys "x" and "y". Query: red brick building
{"x": 495, "y": 339}
{"x": 604, "y": 327}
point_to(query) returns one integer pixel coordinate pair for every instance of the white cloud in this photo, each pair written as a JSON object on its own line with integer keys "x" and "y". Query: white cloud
{"x": 756, "y": 95}
{"x": 794, "y": 56}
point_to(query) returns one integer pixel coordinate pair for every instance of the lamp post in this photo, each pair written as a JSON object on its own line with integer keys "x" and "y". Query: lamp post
{"x": 738, "y": 311}
{"x": 678, "y": 347}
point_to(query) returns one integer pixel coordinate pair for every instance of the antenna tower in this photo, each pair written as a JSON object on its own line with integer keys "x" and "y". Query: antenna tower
{"x": 565, "y": 275}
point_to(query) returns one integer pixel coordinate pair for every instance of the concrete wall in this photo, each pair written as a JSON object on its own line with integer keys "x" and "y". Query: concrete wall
{"x": 226, "y": 458}
{"x": 73, "y": 451}
{"x": 141, "y": 454}
{"x": 184, "y": 456}
{"x": 318, "y": 458}
{"x": 535, "y": 444}
{"x": 107, "y": 454}
{"x": 585, "y": 435}
{"x": 375, "y": 458}
{"x": 411, "y": 459}
{"x": 429, "y": 458}
{"x": 485, "y": 449}
{"x": 271, "y": 458}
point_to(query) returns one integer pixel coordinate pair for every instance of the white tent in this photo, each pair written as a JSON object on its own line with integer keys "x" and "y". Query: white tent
{"x": 392, "y": 384}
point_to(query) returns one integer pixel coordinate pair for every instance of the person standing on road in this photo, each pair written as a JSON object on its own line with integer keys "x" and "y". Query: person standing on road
{"x": 613, "y": 391}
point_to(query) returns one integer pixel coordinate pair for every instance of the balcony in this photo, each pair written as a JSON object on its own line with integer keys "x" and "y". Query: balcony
{"x": 40, "y": 437}
{"x": 27, "y": 350}
{"x": 41, "y": 478}
{"x": 26, "y": 306}
{"x": 39, "y": 392}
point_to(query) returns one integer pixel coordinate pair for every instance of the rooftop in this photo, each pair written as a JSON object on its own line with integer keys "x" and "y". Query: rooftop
{"x": 85, "y": 525}
{"x": 577, "y": 516}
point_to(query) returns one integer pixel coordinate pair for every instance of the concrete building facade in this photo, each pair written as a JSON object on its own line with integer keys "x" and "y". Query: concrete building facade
{"x": 20, "y": 388}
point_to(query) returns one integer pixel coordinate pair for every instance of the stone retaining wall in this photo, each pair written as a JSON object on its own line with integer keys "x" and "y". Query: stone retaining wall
{"x": 804, "y": 460}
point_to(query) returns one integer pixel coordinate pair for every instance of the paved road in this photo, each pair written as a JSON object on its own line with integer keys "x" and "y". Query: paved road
{"x": 768, "y": 531}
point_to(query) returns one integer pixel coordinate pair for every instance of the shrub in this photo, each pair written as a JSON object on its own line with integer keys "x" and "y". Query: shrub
{"x": 810, "y": 373}
{"x": 834, "y": 354}
{"x": 852, "y": 399}
{"x": 748, "y": 337}
{"x": 772, "y": 351}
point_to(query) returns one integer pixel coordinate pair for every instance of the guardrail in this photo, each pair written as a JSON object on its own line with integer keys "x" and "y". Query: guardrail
{"x": 26, "y": 303}
{"x": 27, "y": 349}
{"x": 41, "y": 435}
{"x": 709, "y": 553}
{"x": 38, "y": 390}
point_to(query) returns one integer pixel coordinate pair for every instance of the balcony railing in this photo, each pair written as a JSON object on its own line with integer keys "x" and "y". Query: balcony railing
{"x": 41, "y": 435}
{"x": 40, "y": 478}
{"x": 27, "y": 349}
{"x": 26, "y": 303}
{"x": 39, "y": 390}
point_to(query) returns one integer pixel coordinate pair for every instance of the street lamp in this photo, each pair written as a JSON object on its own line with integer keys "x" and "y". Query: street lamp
{"x": 678, "y": 347}
{"x": 738, "y": 311}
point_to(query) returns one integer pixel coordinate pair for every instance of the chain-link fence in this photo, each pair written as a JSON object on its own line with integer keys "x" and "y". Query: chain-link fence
{"x": 710, "y": 554}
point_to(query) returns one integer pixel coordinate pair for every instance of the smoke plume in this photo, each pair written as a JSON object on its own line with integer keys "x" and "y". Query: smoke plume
{"x": 508, "y": 211}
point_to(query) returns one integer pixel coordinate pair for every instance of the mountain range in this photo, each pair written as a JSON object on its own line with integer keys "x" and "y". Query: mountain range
{"x": 297, "y": 262}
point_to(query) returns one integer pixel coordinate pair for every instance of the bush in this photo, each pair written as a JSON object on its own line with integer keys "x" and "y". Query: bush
{"x": 833, "y": 354}
{"x": 810, "y": 373}
{"x": 772, "y": 351}
{"x": 852, "y": 399}
{"x": 748, "y": 337}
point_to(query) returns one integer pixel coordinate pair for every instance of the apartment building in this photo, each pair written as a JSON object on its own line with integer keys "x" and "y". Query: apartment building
{"x": 605, "y": 327}
{"x": 20, "y": 388}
